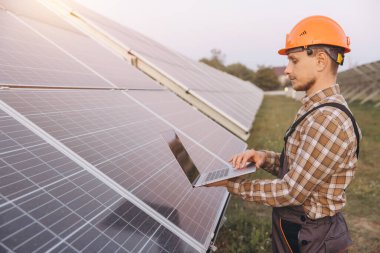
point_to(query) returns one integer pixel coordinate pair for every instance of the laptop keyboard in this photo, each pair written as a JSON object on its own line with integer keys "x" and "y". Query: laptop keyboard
{"x": 217, "y": 174}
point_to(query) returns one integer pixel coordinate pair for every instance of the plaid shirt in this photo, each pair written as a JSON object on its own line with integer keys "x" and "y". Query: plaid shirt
{"x": 321, "y": 159}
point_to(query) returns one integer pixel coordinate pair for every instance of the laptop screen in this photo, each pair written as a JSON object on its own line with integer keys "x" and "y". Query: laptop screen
{"x": 181, "y": 155}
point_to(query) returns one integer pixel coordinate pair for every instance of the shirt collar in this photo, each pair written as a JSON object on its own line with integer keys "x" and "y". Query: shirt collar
{"x": 320, "y": 95}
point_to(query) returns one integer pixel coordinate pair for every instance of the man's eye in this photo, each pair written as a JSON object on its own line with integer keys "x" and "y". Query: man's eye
{"x": 294, "y": 61}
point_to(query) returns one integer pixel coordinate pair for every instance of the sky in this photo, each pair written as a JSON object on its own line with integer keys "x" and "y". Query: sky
{"x": 246, "y": 31}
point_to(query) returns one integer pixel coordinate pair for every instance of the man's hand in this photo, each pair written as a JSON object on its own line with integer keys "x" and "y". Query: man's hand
{"x": 219, "y": 183}
{"x": 239, "y": 161}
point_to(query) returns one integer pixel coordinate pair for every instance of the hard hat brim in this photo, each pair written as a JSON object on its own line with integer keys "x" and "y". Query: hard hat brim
{"x": 282, "y": 51}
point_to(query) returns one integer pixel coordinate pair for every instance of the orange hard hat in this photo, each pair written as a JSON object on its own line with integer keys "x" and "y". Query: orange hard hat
{"x": 316, "y": 30}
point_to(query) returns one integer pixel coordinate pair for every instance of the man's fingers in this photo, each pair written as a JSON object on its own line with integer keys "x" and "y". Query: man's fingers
{"x": 233, "y": 160}
{"x": 244, "y": 161}
{"x": 238, "y": 162}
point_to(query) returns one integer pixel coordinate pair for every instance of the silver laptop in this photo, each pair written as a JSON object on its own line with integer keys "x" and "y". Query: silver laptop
{"x": 196, "y": 179}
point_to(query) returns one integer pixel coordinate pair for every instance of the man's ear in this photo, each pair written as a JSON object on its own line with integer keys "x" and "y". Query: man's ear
{"x": 322, "y": 61}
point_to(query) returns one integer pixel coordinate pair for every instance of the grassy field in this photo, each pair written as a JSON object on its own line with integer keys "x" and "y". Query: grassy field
{"x": 248, "y": 224}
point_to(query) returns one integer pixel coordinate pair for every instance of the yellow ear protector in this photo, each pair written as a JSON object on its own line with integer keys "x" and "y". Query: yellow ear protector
{"x": 340, "y": 59}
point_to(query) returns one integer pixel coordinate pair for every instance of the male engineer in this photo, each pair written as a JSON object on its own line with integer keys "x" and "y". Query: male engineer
{"x": 320, "y": 152}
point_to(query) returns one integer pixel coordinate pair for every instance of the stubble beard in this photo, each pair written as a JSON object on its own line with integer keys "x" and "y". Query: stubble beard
{"x": 306, "y": 86}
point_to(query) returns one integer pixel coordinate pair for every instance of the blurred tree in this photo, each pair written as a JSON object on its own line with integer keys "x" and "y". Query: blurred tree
{"x": 216, "y": 60}
{"x": 241, "y": 71}
{"x": 266, "y": 78}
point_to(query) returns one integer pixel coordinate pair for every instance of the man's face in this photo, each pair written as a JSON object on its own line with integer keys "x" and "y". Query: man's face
{"x": 301, "y": 70}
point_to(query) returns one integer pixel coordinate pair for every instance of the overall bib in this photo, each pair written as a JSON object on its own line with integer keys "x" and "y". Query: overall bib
{"x": 293, "y": 231}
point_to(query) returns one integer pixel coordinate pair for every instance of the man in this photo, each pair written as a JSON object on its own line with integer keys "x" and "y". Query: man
{"x": 320, "y": 152}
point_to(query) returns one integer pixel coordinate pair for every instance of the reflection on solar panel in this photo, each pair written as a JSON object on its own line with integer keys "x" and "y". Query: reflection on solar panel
{"x": 191, "y": 80}
{"x": 28, "y": 59}
{"x": 65, "y": 58}
{"x": 83, "y": 165}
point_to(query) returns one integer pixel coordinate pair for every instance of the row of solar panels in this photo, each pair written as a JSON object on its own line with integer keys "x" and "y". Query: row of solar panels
{"x": 226, "y": 99}
{"x": 362, "y": 83}
{"x": 83, "y": 166}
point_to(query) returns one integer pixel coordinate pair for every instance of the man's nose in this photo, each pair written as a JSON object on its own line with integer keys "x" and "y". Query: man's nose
{"x": 287, "y": 70}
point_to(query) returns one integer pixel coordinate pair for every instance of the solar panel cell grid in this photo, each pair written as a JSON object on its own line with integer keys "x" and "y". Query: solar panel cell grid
{"x": 240, "y": 105}
{"x": 108, "y": 130}
{"x": 62, "y": 207}
{"x": 11, "y": 134}
{"x": 184, "y": 71}
{"x": 188, "y": 119}
{"x": 48, "y": 202}
{"x": 28, "y": 59}
{"x": 118, "y": 71}
{"x": 34, "y": 10}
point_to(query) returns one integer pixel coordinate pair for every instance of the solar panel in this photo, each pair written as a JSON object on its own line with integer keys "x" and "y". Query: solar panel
{"x": 48, "y": 202}
{"x": 84, "y": 169}
{"x": 33, "y": 10}
{"x": 361, "y": 83}
{"x": 123, "y": 141}
{"x": 71, "y": 58}
{"x": 28, "y": 59}
{"x": 217, "y": 139}
{"x": 187, "y": 74}
{"x": 239, "y": 105}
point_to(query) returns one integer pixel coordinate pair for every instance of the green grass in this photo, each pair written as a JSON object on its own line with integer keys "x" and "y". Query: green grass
{"x": 248, "y": 224}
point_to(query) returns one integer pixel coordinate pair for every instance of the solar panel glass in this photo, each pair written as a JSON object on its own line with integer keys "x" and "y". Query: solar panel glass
{"x": 48, "y": 202}
{"x": 122, "y": 140}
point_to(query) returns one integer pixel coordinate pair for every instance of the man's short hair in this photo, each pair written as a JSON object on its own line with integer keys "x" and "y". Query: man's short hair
{"x": 336, "y": 55}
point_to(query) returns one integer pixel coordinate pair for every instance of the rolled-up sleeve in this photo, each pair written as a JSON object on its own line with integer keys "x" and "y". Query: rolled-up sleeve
{"x": 272, "y": 162}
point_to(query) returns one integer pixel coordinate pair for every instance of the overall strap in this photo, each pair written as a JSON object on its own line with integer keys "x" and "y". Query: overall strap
{"x": 292, "y": 128}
